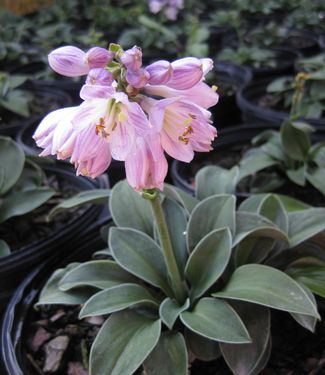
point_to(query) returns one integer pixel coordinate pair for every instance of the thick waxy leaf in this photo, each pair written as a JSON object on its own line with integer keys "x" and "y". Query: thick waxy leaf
{"x": 178, "y": 195}
{"x": 313, "y": 277}
{"x": 254, "y": 161}
{"x": 102, "y": 274}
{"x": 176, "y": 221}
{"x": 213, "y": 180}
{"x": 305, "y": 224}
{"x": 97, "y": 196}
{"x": 123, "y": 343}
{"x": 31, "y": 177}
{"x": 117, "y": 298}
{"x": 295, "y": 141}
{"x": 253, "y": 250}
{"x": 212, "y": 213}
{"x": 169, "y": 311}
{"x": 243, "y": 359}
{"x": 215, "y": 320}
{"x": 316, "y": 177}
{"x": 51, "y": 293}
{"x": 129, "y": 209}
{"x": 201, "y": 347}
{"x": 291, "y": 204}
{"x": 250, "y": 224}
{"x": 22, "y": 202}
{"x": 12, "y": 161}
{"x": 169, "y": 356}
{"x": 268, "y": 286}
{"x": 297, "y": 176}
{"x": 139, "y": 254}
{"x": 4, "y": 249}
{"x": 208, "y": 261}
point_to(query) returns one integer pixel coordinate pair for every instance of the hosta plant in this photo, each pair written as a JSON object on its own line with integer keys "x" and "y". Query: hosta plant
{"x": 232, "y": 266}
{"x": 290, "y": 151}
{"x": 22, "y": 185}
{"x": 172, "y": 283}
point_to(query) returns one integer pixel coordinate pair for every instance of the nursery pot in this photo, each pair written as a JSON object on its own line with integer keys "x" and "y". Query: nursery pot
{"x": 54, "y": 99}
{"x": 248, "y": 101}
{"x": 228, "y": 78}
{"x": 20, "y": 308}
{"x": 229, "y": 147}
{"x": 17, "y": 265}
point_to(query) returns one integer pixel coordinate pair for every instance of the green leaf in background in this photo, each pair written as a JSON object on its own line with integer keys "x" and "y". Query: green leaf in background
{"x": 216, "y": 320}
{"x": 169, "y": 311}
{"x": 254, "y": 161}
{"x": 313, "y": 277}
{"x": 117, "y": 298}
{"x": 51, "y": 293}
{"x": 316, "y": 177}
{"x": 305, "y": 224}
{"x": 203, "y": 348}
{"x": 21, "y": 202}
{"x": 208, "y": 261}
{"x": 213, "y": 180}
{"x": 169, "y": 356}
{"x": 185, "y": 200}
{"x": 268, "y": 286}
{"x": 4, "y": 249}
{"x": 292, "y": 204}
{"x": 123, "y": 343}
{"x": 253, "y": 250}
{"x": 246, "y": 358}
{"x": 95, "y": 196}
{"x": 215, "y": 212}
{"x": 124, "y": 200}
{"x": 12, "y": 161}
{"x": 101, "y": 274}
{"x": 139, "y": 254}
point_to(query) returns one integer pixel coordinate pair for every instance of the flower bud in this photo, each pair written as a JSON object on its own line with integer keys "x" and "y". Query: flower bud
{"x": 137, "y": 78}
{"x": 132, "y": 58}
{"x": 68, "y": 61}
{"x": 98, "y": 57}
{"x": 99, "y": 76}
{"x": 187, "y": 72}
{"x": 160, "y": 72}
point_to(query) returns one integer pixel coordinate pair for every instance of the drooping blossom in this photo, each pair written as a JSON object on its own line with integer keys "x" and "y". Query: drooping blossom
{"x": 170, "y": 7}
{"x": 130, "y": 113}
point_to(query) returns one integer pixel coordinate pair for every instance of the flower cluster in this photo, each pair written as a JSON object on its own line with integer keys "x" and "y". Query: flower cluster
{"x": 130, "y": 113}
{"x": 171, "y": 7}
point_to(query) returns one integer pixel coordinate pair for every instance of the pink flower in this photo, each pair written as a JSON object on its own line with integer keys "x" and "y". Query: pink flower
{"x": 146, "y": 166}
{"x": 160, "y": 72}
{"x": 71, "y": 61}
{"x": 132, "y": 58}
{"x": 99, "y": 76}
{"x": 137, "y": 78}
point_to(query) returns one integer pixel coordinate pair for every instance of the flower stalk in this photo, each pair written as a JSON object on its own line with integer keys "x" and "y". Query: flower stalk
{"x": 298, "y": 95}
{"x": 178, "y": 285}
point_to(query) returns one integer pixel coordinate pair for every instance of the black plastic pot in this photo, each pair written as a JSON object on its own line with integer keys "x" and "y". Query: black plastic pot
{"x": 226, "y": 113}
{"x": 20, "y": 308}
{"x": 302, "y": 42}
{"x": 321, "y": 41}
{"x": 248, "y": 101}
{"x": 17, "y": 265}
{"x": 53, "y": 95}
{"x": 232, "y": 139}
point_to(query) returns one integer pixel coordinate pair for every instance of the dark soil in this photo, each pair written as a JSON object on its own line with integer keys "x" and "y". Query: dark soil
{"x": 23, "y": 230}
{"x": 295, "y": 350}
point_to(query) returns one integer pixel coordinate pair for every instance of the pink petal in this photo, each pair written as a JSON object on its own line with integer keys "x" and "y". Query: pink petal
{"x": 96, "y": 91}
{"x": 187, "y": 72}
{"x": 160, "y": 72}
{"x": 68, "y": 61}
{"x": 98, "y": 57}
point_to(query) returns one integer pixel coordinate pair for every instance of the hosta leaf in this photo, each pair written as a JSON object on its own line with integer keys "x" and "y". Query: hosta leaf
{"x": 101, "y": 274}
{"x": 291, "y": 204}
{"x": 297, "y": 176}
{"x": 316, "y": 177}
{"x": 212, "y": 213}
{"x": 123, "y": 343}
{"x": 51, "y": 293}
{"x": 117, "y": 298}
{"x": 21, "y": 202}
{"x": 305, "y": 224}
{"x": 250, "y": 224}
{"x": 140, "y": 255}
{"x": 213, "y": 180}
{"x": 176, "y": 221}
{"x": 98, "y": 196}
{"x": 12, "y": 161}
{"x": 201, "y": 347}
{"x": 268, "y": 286}
{"x": 295, "y": 141}
{"x": 215, "y": 320}
{"x": 169, "y": 356}
{"x": 4, "y": 249}
{"x": 212, "y": 255}
{"x": 313, "y": 277}
{"x": 253, "y": 250}
{"x": 178, "y": 195}
{"x": 243, "y": 359}
{"x": 124, "y": 200}
{"x": 169, "y": 311}
{"x": 254, "y": 161}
